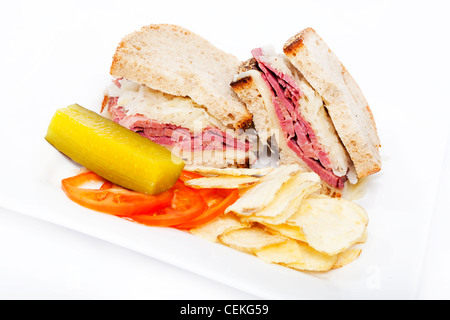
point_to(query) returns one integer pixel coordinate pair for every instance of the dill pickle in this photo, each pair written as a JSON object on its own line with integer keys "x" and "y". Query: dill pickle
{"x": 115, "y": 153}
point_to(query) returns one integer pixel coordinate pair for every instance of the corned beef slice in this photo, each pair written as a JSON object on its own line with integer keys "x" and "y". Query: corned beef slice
{"x": 298, "y": 132}
{"x": 172, "y": 136}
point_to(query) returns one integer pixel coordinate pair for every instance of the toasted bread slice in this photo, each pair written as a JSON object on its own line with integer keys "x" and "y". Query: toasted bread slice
{"x": 344, "y": 100}
{"x": 176, "y": 61}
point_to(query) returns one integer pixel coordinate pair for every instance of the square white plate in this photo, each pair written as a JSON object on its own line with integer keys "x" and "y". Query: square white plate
{"x": 54, "y": 61}
{"x": 389, "y": 266}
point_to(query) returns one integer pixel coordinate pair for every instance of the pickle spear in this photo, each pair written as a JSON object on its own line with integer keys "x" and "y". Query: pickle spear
{"x": 113, "y": 152}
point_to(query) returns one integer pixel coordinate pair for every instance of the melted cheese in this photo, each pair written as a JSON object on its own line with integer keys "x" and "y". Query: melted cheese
{"x": 313, "y": 110}
{"x": 165, "y": 108}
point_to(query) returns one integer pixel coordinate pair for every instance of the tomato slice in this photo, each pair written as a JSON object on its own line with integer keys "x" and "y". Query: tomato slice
{"x": 181, "y": 207}
{"x": 218, "y": 200}
{"x": 187, "y": 204}
{"x": 112, "y": 199}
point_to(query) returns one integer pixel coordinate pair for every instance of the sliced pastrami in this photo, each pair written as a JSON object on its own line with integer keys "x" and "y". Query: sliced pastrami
{"x": 174, "y": 136}
{"x": 326, "y": 175}
{"x": 298, "y": 132}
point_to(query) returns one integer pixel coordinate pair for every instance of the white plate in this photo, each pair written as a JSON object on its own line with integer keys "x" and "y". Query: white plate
{"x": 389, "y": 265}
{"x": 64, "y": 61}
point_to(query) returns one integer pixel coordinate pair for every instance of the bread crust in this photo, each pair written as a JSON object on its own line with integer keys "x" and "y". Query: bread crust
{"x": 344, "y": 100}
{"x": 104, "y": 103}
{"x": 294, "y": 44}
{"x": 250, "y": 64}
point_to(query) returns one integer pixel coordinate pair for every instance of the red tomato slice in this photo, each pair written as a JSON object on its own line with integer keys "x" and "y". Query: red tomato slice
{"x": 218, "y": 200}
{"x": 113, "y": 199}
{"x": 187, "y": 204}
{"x": 181, "y": 207}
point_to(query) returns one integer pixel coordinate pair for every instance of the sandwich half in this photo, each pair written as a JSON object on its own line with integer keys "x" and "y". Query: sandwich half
{"x": 307, "y": 105}
{"x": 172, "y": 86}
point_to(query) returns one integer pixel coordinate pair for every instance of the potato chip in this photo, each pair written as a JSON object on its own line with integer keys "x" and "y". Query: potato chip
{"x": 213, "y": 229}
{"x": 263, "y": 193}
{"x": 250, "y": 239}
{"x": 346, "y": 257}
{"x": 330, "y": 225}
{"x": 297, "y": 255}
{"x": 229, "y": 171}
{"x": 281, "y": 218}
{"x": 288, "y": 199}
{"x": 293, "y": 232}
{"x": 223, "y": 182}
{"x": 363, "y": 238}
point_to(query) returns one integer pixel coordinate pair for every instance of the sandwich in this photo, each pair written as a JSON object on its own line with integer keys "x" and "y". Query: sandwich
{"x": 309, "y": 109}
{"x": 173, "y": 87}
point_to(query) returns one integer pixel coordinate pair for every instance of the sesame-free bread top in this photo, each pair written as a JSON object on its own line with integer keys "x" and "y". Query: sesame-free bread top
{"x": 344, "y": 100}
{"x": 179, "y": 62}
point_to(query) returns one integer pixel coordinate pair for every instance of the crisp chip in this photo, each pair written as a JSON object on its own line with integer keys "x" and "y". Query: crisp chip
{"x": 363, "y": 238}
{"x": 263, "y": 193}
{"x": 250, "y": 239}
{"x": 297, "y": 255}
{"x": 288, "y": 199}
{"x": 223, "y": 182}
{"x": 229, "y": 171}
{"x": 330, "y": 225}
{"x": 281, "y": 218}
{"x": 293, "y": 232}
{"x": 346, "y": 257}
{"x": 213, "y": 229}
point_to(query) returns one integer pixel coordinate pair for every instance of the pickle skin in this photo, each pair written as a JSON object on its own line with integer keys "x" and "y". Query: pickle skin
{"x": 113, "y": 152}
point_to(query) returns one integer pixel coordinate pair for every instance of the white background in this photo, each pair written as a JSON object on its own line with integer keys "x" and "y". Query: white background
{"x": 55, "y": 53}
